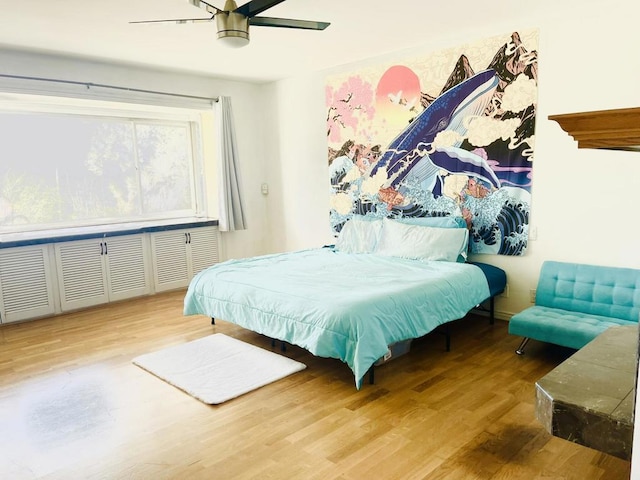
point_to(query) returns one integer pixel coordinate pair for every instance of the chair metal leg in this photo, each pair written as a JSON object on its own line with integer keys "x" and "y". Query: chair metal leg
{"x": 213, "y": 321}
{"x": 520, "y": 350}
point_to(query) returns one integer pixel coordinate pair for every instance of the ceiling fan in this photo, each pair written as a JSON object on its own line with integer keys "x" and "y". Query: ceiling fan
{"x": 233, "y": 21}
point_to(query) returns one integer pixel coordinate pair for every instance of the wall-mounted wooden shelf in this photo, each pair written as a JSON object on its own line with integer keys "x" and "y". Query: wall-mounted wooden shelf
{"x": 609, "y": 129}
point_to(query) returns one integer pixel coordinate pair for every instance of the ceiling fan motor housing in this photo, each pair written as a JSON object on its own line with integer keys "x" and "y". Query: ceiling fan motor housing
{"x": 233, "y": 27}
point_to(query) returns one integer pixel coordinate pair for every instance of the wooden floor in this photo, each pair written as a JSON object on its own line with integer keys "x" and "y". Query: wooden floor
{"x": 72, "y": 405}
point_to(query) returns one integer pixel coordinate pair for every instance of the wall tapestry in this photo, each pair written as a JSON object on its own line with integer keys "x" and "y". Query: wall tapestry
{"x": 449, "y": 133}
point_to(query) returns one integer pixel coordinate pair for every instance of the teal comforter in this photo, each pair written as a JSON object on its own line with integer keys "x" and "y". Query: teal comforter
{"x": 337, "y": 305}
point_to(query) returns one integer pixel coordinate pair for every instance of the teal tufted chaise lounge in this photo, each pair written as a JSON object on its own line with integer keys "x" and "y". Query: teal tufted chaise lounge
{"x": 576, "y": 302}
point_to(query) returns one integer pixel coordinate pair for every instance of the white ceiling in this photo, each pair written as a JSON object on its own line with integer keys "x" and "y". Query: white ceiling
{"x": 359, "y": 29}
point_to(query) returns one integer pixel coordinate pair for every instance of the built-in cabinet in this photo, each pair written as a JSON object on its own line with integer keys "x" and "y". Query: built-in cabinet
{"x": 26, "y": 283}
{"x": 46, "y": 279}
{"x": 179, "y": 254}
{"x": 91, "y": 272}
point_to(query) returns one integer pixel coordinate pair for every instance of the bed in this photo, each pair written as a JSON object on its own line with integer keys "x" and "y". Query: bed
{"x": 351, "y": 300}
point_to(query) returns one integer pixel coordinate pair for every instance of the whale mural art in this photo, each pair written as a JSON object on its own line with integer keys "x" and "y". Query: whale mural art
{"x": 398, "y": 150}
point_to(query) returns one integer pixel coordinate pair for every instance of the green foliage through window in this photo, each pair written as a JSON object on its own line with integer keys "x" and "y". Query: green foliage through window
{"x": 60, "y": 170}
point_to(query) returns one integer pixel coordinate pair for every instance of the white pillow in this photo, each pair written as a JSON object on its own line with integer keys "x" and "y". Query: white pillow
{"x": 420, "y": 242}
{"x": 359, "y": 235}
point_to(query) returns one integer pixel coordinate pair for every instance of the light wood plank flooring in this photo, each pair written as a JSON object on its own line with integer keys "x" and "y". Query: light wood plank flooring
{"x": 72, "y": 405}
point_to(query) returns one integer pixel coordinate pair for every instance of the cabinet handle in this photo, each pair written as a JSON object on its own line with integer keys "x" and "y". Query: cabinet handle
{"x": 101, "y": 249}
{"x": 105, "y": 248}
{"x": 189, "y": 236}
{"x": 186, "y": 237}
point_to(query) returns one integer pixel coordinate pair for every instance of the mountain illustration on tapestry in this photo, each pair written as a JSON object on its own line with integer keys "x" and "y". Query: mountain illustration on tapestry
{"x": 508, "y": 63}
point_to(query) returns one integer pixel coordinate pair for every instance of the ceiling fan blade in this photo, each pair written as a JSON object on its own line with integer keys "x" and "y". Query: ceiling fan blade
{"x": 256, "y": 7}
{"x": 177, "y": 20}
{"x": 287, "y": 23}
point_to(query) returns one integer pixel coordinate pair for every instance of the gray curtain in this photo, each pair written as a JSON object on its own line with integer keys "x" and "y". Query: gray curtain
{"x": 230, "y": 198}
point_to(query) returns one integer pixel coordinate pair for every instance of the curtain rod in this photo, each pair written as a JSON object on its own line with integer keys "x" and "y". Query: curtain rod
{"x": 114, "y": 87}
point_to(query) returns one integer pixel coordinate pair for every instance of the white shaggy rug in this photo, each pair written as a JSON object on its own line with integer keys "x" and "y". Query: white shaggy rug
{"x": 217, "y": 368}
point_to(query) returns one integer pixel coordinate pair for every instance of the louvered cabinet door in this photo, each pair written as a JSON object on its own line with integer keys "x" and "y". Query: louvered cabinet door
{"x": 127, "y": 258}
{"x": 169, "y": 259}
{"x": 203, "y": 246}
{"x": 82, "y": 275}
{"x": 26, "y": 284}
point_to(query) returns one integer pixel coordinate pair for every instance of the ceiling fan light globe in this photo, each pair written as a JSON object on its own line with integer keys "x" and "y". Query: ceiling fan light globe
{"x": 233, "y": 41}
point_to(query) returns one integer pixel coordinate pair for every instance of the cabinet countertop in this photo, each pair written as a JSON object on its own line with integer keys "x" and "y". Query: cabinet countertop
{"x": 20, "y": 239}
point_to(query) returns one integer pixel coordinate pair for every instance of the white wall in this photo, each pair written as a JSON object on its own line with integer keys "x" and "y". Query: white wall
{"x": 296, "y": 153}
{"x": 247, "y": 102}
{"x": 583, "y": 201}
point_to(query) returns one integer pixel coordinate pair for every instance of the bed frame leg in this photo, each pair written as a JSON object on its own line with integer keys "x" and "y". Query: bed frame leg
{"x": 492, "y": 312}
{"x": 371, "y": 375}
{"x": 520, "y": 350}
{"x": 447, "y": 335}
{"x": 213, "y": 321}
{"x": 283, "y": 346}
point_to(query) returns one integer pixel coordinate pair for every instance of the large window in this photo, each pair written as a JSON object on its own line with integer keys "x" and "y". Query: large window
{"x": 72, "y": 165}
